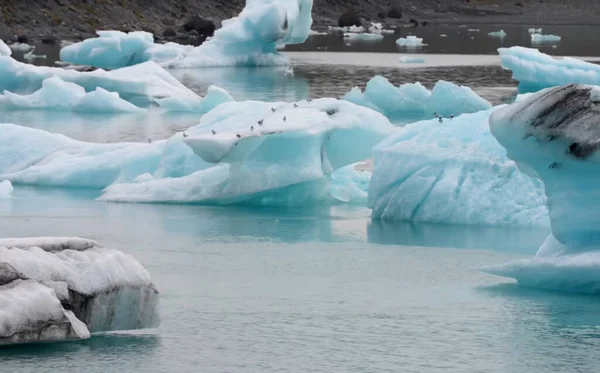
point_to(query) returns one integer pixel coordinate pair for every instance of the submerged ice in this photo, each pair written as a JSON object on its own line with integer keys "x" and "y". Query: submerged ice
{"x": 54, "y": 289}
{"x": 554, "y": 135}
{"x": 250, "y": 39}
{"x": 412, "y": 101}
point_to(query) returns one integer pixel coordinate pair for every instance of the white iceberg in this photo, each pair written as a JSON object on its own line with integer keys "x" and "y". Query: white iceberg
{"x": 143, "y": 84}
{"x": 362, "y": 37}
{"x": 250, "y": 39}
{"x": 540, "y": 38}
{"x": 497, "y": 34}
{"x": 54, "y": 289}
{"x": 29, "y": 56}
{"x": 410, "y": 41}
{"x": 4, "y": 49}
{"x": 352, "y": 29}
{"x": 535, "y": 70}
{"x": 21, "y": 47}
{"x": 377, "y": 28}
{"x": 412, "y": 101}
{"x": 6, "y": 189}
{"x": 55, "y": 94}
{"x": 535, "y": 30}
{"x": 454, "y": 172}
{"x": 553, "y": 135}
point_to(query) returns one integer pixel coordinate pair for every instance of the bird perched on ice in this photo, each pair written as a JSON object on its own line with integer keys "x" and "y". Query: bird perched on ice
{"x": 273, "y": 109}
{"x": 295, "y": 105}
{"x": 436, "y": 115}
{"x": 251, "y": 128}
{"x": 260, "y": 122}
{"x": 184, "y": 135}
{"x": 213, "y": 132}
{"x": 149, "y": 141}
{"x": 440, "y": 119}
{"x": 238, "y": 135}
{"x": 451, "y": 116}
{"x": 284, "y": 118}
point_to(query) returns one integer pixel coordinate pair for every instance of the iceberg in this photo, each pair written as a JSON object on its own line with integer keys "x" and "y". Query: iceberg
{"x": 540, "y": 38}
{"x": 553, "y": 135}
{"x": 253, "y": 38}
{"x": 352, "y": 29}
{"x": 535, "y": 30}
{"x": 6, "y": 189}
{"x": 55, "y": 94}
{"x": 362, "y": 37}
{"x": 4, "y": 49}
{"x": 54, "y": 289}
{"x": 410, "y": 41}
{"x": 285, "y": 154}
{"x": 497, "y": 34}
{"x": 21, "y": 47}
{"x": 267, "y": 154}
{"x": 535, "y": 70}
{"x": 377, "y": 28}
{"x": 453, "y": 172}
{"x": 412, "y": 101}
{"x": 142, "y": 85}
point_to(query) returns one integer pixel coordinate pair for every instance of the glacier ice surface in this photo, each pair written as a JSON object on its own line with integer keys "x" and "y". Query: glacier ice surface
{"x": 454, "y": 172}
{"x": 412, "y": 101}
{"x": 412, "y": 59}
{"x": 553, "y": 135}
{"x": 535, "y": 70}
{"x": 65, "y": 288}
{"x": 410, "y": 41}
{"x": 250, "y": 39}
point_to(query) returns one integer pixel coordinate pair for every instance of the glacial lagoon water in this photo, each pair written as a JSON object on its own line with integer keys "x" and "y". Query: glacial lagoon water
{"x": 321, "y": 289}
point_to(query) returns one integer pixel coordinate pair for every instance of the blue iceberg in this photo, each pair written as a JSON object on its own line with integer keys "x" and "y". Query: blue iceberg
{"x": 535, "y": 70}
{"x": 553, "y": 135}
{"x": 412, "y": 101}
{"x": 250, "y": 39}
{"x": 452, "y": 172}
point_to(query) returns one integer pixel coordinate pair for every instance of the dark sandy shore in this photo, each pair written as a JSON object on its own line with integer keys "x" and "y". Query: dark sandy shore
{"x": 50, "y": 20}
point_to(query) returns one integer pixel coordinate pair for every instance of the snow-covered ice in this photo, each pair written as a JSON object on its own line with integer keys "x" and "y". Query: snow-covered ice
{"x": 454, "y": 172}
{"x": 535, "y": 70}
{"x": 410, "y": 41}
{"x": 362, "y": 37}
{"x": 540, "y": 38}
{"x": 250, "y": 39}
{"x": 4, "y": 49}
{"x": 6, "y": 189}
{"x": 497, "y": 34}
{"x": 40, "y": 277}
{"x": 553, "y": 135}
{"x": 412, "y": 101}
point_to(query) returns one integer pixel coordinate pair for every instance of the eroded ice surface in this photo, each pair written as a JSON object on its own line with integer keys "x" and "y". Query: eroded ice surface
{"x": 535, "y": 70}
{"x": 4, "y": 49}
{"x": 412, "y": 101}
{"x": 554, "y": 135}
{"x": 64, "y": 288}
{"x": 453, "y": 172}
{"x": 250, "y": 39}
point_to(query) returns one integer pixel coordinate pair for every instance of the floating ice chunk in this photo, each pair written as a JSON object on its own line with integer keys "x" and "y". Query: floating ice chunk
{"x": 349, "y": 185}
{"x": 362, "y": 37}
{"x": 146, "y": 83}
{"x": 6, "y": 189}
{"x": 252, "y": 38}
{"x": 4, "y": 49}
{"x": 453, "y": 172}
{"x": 443, "y": 35}
{"x": 56, "y": 94}
{"x": 412, "y": 59}
{"x": 314, "y": 32}
{"x": 352, "y": 29}
{"x": 473, "y": 30}
{"x": 267, "y": 153}
{"x": 215, "y": 96}
{"x": 106, "y": 289}
{"x": 539, "y": 38}
{"x": 497, "y": 34}
{"x": 414, "y": 101}
{"x": 410, "y": 41}
{"x": 553, "y": 135}
{"x": 21, "y": 47}
{"x": 535, "y": 70}
{"x": 377, "y": 28}
{"x": 29, "y": 56}
{"x": 535, "y": 30}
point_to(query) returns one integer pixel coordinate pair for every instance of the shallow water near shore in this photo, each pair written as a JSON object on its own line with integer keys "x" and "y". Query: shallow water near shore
{"x": 321, "y": 289}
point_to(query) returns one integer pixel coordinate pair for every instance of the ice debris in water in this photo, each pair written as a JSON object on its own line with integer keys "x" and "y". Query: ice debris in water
{"x": 415, "y": 102}
{"x": 4, "y": 49}
{"x": 497, "y": 34}
{"x": 377, "y": 28}
{"x": 410, "y": 41}
{"x": 20, "y": 47}
{"x": 143, "y": 84}
{"x": 352, "y": 29}
{"x": 553, "y": 135}
{"x": 250, "y": 39}
{"x": 412, "y": 59}
{"x": 535, "y": 70}
{"x": 29, "y": 56}
{"x": 362, "y": 37}
{"x": 453, "y": 172}
{"x": 539, "y": 38}
{"x": 55, "y": 289}
{"x": 278, "y": 162}
{"x": 6, "y": 189}
{"x": 55, "y": 94}
{"x": 535, "y": 30}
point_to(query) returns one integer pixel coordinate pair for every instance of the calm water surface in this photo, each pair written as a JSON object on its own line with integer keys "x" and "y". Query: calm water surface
{"x": 306, "y": 290}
